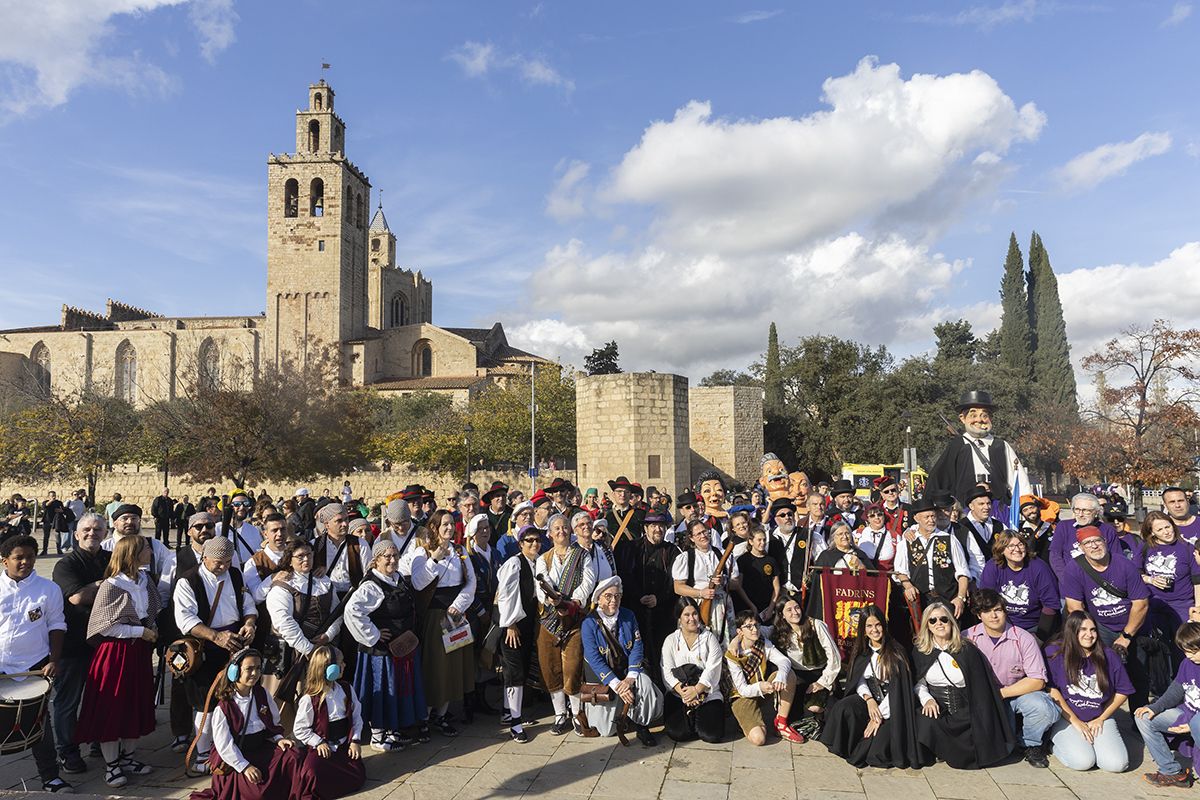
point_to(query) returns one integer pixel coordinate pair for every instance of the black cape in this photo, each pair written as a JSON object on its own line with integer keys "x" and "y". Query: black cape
{"x": 979, "y": 738}
{"x": 645, "y": 569}
{"x": 954, "y": 471}
{"x": 894, "y": 744}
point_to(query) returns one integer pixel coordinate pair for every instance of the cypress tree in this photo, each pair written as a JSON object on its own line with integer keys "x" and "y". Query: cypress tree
{"x": 1016, "y": 345}
{"x": 1052, "y": 372}
{"x": 773, "y": 375}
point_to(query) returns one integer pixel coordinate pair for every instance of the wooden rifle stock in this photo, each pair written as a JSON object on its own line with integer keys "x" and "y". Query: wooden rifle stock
{"x": 714, "y": 582}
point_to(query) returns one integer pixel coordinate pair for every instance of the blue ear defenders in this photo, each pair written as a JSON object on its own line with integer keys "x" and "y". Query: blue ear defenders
{"x": 333, "y": 672}
{"x": 233, "y": 671}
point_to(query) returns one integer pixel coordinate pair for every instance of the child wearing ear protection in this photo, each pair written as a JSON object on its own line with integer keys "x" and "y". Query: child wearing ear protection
{"x": 329, "y": 721}
{"x": 252, "y": 759}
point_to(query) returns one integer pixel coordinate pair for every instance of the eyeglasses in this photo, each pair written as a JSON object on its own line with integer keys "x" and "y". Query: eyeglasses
{"x": 1088, "y": 510}
{"x": 939, "y": 620}
{"x": 305, "y": 556}
{"x": 750, "y": 626}
{"x": 1015, "y": 546}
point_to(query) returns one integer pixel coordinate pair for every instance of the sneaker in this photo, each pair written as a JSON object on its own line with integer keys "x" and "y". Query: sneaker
{"x": 114, "y": 776}
{"x": 562, "y": 724}
{"x": 132, "y": 767}
{"x": 179, "y": 744}
{"x": 380, "y": 742}
{"x": 57, "y": 785}
{"x": 1182, "y": 780}
{"x": 72, "y": 763}
{"x": 1036, "y": 757}
{"x": 519, "y": 735}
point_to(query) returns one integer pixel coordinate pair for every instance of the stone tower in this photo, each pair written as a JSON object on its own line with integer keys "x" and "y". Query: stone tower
{"x": 397, "y": 296}
{"x": 317, "y": 203}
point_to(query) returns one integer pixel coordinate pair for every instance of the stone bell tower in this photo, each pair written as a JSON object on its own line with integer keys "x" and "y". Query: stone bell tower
{"x": 317, "y": 202}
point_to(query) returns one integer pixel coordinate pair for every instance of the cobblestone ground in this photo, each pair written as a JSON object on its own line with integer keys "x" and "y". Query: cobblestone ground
{"x": 482, "y": 763}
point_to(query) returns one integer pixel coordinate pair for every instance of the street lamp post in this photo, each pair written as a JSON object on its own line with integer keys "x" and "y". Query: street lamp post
{"x": 468, "y": 431}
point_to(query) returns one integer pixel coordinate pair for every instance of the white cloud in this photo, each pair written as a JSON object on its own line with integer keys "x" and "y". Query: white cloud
{"x": 1179, "y": 13}
{"x": 52, "y": 47}
{"x": 988, "y": 17}
{"x": 478, "y": 59}
{"x": 1089, "y": 169}
{"x": 566, "y": 200}
{"x": 757, "y": 16}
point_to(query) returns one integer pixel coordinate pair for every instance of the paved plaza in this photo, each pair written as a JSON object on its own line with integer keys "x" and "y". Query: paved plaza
{"x": 483, "y": 763}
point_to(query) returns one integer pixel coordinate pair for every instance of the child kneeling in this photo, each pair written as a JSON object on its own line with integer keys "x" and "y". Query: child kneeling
{"x": 329, "y": 722}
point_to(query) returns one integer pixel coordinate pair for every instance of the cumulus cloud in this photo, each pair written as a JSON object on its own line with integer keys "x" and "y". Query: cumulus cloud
{"x": 820, "y": 223}
{"x": 1179, "y": 13}
{"x": 479, "y": 59}
{"x": 52, "y": 47}
{"x": 1089, "y": 169}
{"x": 566, "y": 200}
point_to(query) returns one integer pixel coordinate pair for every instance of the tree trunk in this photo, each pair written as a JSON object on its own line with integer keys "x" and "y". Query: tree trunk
{"x": 91, "y": 488}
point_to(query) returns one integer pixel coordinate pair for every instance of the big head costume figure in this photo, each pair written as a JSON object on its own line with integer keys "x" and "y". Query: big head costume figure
{"x": 711, "y": 488}
{"x": 773, "y": 477}
{"x": 976, "y": 456}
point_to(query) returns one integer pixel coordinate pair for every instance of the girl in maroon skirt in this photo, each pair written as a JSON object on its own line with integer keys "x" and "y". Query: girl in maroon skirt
{"x": 329, "y": 721}
{"x": 118, "y": 698}
{"x": 251, "y": 758}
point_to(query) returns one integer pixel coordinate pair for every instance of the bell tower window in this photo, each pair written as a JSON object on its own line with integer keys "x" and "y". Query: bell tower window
{"x": 291, "y": 198}
{"x": 317, "y": 101}
{"x": 314, "y": 136}
{"x": 316, "y": 198}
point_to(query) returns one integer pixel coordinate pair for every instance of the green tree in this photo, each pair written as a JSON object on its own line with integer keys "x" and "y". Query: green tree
{"x": 956, "y": 341}
{"x": 421, "y": 429}
{"x": 500, "y": 418}
{"x": 730, "y": 377}
{"x": 603, "y": 360}
{"x": 772, "y": 373}
{"x": 1054, "y": 377}
{"x": 1015, "y": 340}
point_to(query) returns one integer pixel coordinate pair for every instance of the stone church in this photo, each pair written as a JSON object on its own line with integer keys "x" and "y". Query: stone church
{"x": 332, "y": 280}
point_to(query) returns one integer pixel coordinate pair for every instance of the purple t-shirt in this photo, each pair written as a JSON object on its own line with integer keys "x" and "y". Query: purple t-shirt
{"x": 1191, "y": 531}
{"x": 1175, "y": 560}
{"x": 1085, "y": 697}
{"x": 1188, "y": 677}
{"x": 1109, "y": 610}
{"x": 1025, "y": 592}
{"x": 1064, "y": 546}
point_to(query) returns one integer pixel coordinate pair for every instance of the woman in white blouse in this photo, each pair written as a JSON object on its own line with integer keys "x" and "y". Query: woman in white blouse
{"x": 329, "y": 722}
{"x": 118, "y": 698}
{"x": 874, "y": 724}
{"x": 815, "y": 659}
{"x": 442, "y": 573}
{"x": 693, "y": 706}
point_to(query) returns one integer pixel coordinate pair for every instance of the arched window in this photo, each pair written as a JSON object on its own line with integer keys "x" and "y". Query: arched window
{"x": 291, "y": 198}
{"x": 422, "y": 359}
{"x": 375, "y": 245}
{"x": 317, "y": 101}
{"x": 39, "y": 359}
{"x": 397, "y": 311}
{"x": 316, "y": 198}
{"x": 209, "y": 365}
{"x": 314, "y": 136}
{"x": 126, "y": 372}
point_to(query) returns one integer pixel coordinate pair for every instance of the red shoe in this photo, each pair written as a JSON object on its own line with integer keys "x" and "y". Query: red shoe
{"x": 786, "y": 731}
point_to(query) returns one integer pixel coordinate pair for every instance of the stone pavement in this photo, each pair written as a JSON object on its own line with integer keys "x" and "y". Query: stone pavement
{"x": 483, "y": 763}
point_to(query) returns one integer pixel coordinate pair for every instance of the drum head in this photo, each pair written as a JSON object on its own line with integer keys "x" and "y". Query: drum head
{"x": 15, "y": 689}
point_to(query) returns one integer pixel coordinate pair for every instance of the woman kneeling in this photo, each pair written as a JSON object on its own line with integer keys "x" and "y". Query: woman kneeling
{"x": 691, "y": 669}
{"x": 759, "y": 672}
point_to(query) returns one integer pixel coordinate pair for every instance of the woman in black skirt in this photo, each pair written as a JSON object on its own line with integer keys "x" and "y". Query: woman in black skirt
{"x": 874, "y": 725}
{"x": 963, "y": 719}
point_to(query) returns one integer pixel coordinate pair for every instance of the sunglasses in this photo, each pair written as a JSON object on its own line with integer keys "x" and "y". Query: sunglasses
{"x": 889, "y": 491}
{"x": 529, "y": 541}
{"x": 240, "y": 504}
{"x": 784, "y": 514}
{"x": 939, "y": 620}
{"x": 206, "y": 526}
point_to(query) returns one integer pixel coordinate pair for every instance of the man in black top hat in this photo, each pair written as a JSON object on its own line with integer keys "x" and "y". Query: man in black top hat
{"x": 976, "y": 456}
{"x": 844, "y": 508}
{"x": 495, "y": 504}
{"x": 688, "y": 505}
{"x": 623, "y": 510}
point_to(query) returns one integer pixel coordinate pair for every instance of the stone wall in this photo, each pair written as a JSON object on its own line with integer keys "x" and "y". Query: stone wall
{"x": 141, "y": 486}
{"x": 633, "y": 424}
{"x": 726, "y": 430}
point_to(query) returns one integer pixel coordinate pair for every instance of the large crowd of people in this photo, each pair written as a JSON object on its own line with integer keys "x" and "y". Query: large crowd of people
{"x": 286, "y": 637}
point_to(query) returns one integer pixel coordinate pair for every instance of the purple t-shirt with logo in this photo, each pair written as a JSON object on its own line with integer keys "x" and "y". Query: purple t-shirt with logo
{"x": 1188, "y": 677}
{"x": 1085, "y": 697}
{"x": 1175, "y": 560}
{"x": 1191, "y": 531}
{"x": 1025, "y": 592}
{"x": 1109, "y": 610}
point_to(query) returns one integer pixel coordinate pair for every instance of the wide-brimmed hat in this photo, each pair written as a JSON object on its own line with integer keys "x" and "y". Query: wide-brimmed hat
{"x": 559, "y": 485}
{"x": 979, "y": 492}
{"x": 413, "y": 492}
{"x": 687, "y": 498}
{"x": 923, "y": 504}
{"x": 498, "y": 487}
{"x": 620, "y": 483}
{"x": 975, "y": 399}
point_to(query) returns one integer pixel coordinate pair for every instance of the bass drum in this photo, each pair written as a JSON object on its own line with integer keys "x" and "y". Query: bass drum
{"x": 22, "y": 712}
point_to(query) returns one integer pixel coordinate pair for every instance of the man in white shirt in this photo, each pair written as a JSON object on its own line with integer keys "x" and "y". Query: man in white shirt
{"x": 246, "y": 537}
{"x": 977, "y": 528}
{"x": 32, "y": 630}
{"x": 127, "y": 521}
{"x": 930, "y": 563}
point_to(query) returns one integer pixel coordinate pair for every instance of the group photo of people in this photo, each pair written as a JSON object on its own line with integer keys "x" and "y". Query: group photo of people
{"x": 287, "y": 637}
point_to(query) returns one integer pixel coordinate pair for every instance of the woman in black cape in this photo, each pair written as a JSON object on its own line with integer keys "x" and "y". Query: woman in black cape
{"x": 874, "y": 725}
{"x": 963, "y": 719}
{"x": 841, "y": 554}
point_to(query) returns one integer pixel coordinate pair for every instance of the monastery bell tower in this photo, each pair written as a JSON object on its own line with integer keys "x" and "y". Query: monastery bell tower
{"x": 317, "y": 203}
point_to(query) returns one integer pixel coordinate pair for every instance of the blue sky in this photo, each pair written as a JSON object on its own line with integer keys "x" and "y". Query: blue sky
{"x": 672, "y": 175}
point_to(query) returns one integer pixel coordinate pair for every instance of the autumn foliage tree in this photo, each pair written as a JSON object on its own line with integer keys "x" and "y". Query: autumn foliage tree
{"x": 1142, "y": 429}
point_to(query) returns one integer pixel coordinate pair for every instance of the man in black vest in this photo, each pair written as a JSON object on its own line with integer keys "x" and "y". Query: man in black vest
{"x": 645, "y": 568}
{"x": 976, "y": 529}
{"x": 977, "y": 456}
{"x": 930, "y": 564}
{"x": 788, "y": 545}
{"x": 623, "y": 508}
{"x": 517, "y": 606}
{"x": 200, "y": 527}
{"x": 495, "y": 502}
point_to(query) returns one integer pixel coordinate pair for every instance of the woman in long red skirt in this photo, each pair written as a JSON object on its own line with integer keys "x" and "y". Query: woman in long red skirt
{"x": 329, "y": 721}
{"x": 118, "y": 698}
{"x": 251, "y": 758}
